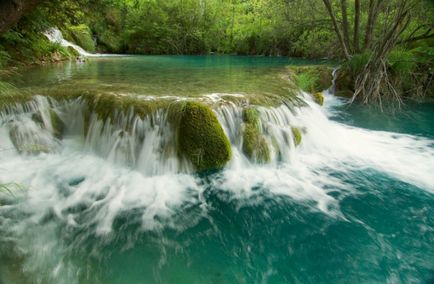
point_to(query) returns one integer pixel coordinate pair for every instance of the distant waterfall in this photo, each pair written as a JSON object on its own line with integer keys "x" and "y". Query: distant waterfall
{"x": 55, "y": 36}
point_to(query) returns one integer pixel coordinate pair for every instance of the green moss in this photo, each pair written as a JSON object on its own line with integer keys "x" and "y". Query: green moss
{"x": 255, "y": 147}
{"x": 82, "y": 36}
{"x": 296, "y": 133}
{"x": 12, "y": 96}
{"x": 318, "y": 98}
{"x": 251, "y": 115}
{"x": 106, "y": 106}
{"x": 201, "y": 138}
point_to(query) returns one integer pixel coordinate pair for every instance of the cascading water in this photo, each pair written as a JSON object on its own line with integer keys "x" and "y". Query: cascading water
{"x": 111, "y": 202}
{"x": 55, "y": 35}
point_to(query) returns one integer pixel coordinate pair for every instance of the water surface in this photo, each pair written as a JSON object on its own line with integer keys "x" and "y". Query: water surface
{"x": 353, "y": 203}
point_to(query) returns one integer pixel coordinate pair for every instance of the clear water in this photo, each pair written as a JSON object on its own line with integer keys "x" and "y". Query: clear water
{"x": 164, "y": 75}
{"x": 354, "y": 204}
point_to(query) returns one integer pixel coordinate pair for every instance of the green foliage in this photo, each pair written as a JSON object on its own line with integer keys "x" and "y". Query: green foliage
{"x": 402, "y": 62}
{"x": 312, "y": 79}
{"x": 82, "y": 36}
{"x": 358, "y": 62}
{"x": 306, "y": 81}
{"x": 201, "y": 138}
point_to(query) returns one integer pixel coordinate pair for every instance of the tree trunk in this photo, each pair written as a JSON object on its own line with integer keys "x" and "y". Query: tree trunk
{"x": 356, "y": 41}
{"x": 337, "y": 30}
{"x": 374, "y": 5}
{"x": 345, "y": 25}
{"x": 11, "y": 11}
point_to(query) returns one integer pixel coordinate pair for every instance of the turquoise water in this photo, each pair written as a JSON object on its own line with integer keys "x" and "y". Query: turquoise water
{"x": 354, "y": 205}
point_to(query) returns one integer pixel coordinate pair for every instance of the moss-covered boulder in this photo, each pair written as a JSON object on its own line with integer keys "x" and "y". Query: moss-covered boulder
{"x": 318, "y": 98}
{"x": 57, "y": 124}
{"x": 296, "y": 134}
{"x": 255, "y": 146}
{"x": 82, "y": 35}
{"x": 251, "y": 115}
{"x": 201, "y": 138}
{"x": 26, "y": 148}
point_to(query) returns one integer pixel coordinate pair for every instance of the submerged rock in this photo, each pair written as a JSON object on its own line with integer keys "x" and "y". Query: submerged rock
{"x": 23, "y": 147}
{"x": 201, "y": 138}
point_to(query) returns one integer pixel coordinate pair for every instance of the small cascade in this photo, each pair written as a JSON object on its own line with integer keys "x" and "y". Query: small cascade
{"x": 146, "y": 144}
{"x": 55, "y": 35}
{"x": 274, "y": 124}
{"x": 96, "y": 182}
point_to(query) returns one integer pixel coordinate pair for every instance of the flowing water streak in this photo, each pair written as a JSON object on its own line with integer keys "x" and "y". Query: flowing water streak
{"x": 129, "y": 165}
{"x": 54, "y": 35}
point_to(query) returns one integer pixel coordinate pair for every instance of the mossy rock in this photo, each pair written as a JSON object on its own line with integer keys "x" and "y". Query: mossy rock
{"x": 202, "y": 139}
{"x": 255, "y": 146}
{"x": 318, "y": 98}
{"x": 251, "y": 115}
{"x": 296, "y": 134}
{"x": 82, "y": 35}
{"x": 22, "y": 148}
{"x": 57, "y": 124}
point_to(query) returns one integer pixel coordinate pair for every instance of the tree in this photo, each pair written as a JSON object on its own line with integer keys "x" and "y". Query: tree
{"x": 11, "y": 11}
{"x": 386, "y": 23}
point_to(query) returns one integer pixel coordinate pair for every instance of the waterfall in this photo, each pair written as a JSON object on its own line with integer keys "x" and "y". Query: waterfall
{"x": 84, "y": 174}
{"x": 55, "y": 35}
{"x": 148, "y": 144}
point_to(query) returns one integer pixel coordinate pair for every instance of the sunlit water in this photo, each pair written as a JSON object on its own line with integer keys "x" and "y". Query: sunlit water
{"x": 354, "y": 203}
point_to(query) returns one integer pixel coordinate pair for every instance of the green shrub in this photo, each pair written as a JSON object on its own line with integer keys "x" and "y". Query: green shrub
{"x": 402, "y": 62}
{"x": 358, "y": 62}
